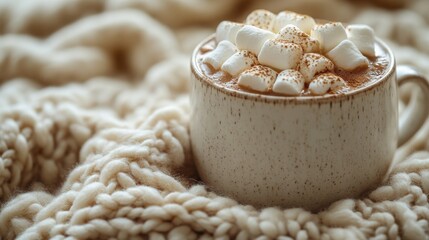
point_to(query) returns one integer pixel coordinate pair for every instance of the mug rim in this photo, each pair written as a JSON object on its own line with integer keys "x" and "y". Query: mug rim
{"x": 197, "y": 72}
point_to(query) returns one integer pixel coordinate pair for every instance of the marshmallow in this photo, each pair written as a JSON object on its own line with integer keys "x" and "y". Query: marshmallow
{"x": 227, "y": 30}
{"x": 280, "y": 54}
{"x": 329, "y": 35}
{"x": 347, "y": 56}
{"x": 239, "y": 62}
{"x": 304, "y": 22}
{"x": 220, "y": 54}
{"x": 289, "y": 82}
{"x": 363, "y": 37}
{"x": 312, "y": 64}
{"x": 291, "y": 33}
{"x": 262, "y": 19}
{"x": 320, "y": 85}
{"x": 337, "y": 83}
{"x": 323, "y": 82}
{"x": 258, "y": 78}
{"x": 252, "y": 38}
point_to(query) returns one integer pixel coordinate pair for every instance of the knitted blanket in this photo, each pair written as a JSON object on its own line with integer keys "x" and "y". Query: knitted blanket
{"x": 94, "y": 112}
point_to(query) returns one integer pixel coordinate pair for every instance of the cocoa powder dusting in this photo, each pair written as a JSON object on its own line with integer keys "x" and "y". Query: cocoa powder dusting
{"x": 359, "y": 78}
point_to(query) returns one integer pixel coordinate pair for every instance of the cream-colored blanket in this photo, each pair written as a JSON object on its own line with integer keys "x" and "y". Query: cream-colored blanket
{"x": 94, "y": 115}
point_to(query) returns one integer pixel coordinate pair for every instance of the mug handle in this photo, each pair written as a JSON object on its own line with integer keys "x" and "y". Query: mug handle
{"x": 414, "y": 116}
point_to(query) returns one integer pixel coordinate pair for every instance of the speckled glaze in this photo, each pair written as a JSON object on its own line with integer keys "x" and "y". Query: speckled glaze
{"x": 293, "y": 151}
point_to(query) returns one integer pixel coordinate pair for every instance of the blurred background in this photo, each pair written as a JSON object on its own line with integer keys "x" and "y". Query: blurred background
{"x": 403, "y": 23}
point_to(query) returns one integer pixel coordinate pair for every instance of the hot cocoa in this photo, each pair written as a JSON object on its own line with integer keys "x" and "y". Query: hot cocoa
{"x": 302, "y": 57}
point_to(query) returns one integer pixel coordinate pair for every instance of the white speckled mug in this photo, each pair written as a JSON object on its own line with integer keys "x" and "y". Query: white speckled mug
{"x": 300, "y": 151}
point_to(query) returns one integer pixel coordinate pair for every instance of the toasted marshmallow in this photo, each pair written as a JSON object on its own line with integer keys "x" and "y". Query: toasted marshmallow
{"x": 347, "y": 56}
{"x": 220, "y": 54}
{"x": 227, "y": 30}
{"x": 303, "y": 22}
{"x": 329, "y": 35}
{"x": 239, "y": 62}
{"x": 252, "y": 38}
{"x": 292, "y": 33}
{"x": 258, "y": 78}
{"x": 279, "y": 54}
{"x": 312, "y": 64}
{"x": 289, "y": 82}
{"x": 363, "y": 37}
{"x": 262, "y": 19}
{"x": 321, "y": 84}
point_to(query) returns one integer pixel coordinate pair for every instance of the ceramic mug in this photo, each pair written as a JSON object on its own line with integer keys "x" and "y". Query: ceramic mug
{"x": 300, "y": 151}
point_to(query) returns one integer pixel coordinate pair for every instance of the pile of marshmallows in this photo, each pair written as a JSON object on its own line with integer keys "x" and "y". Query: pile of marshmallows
{"x": 293, "y": 45}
